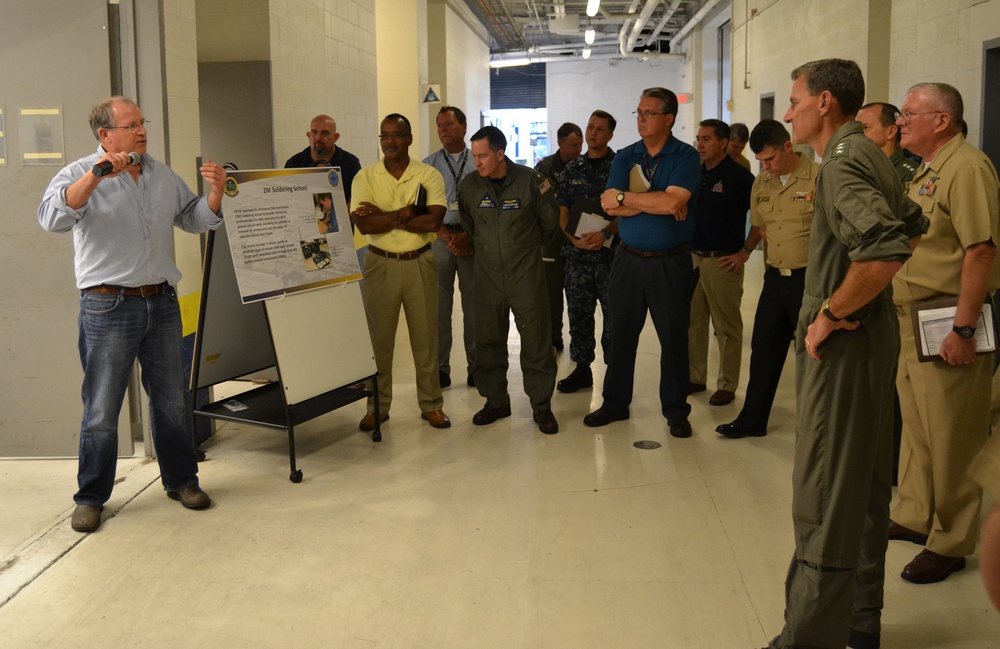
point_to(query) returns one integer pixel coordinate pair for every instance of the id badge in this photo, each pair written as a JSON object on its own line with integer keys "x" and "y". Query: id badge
{"x": 452, "y": 206}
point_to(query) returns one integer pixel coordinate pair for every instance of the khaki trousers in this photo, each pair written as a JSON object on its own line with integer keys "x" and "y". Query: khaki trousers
{"x": 946, "y": 420}
{"x": 717, "y": 297}
{"x": 413, "y": 285}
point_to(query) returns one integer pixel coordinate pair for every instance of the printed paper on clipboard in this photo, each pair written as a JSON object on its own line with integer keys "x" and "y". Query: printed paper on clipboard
{"x": 933, "y": 320}
{"x": 586, "y": 217}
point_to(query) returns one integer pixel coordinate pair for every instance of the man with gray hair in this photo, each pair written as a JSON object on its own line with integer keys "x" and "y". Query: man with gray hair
{"x": 945, "y": 402}
{"x": 863, "y": 229}
{"x": 122, "y": 207}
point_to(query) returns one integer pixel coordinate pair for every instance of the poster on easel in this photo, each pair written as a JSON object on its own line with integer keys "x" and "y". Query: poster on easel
{"x": 289, "y": 231}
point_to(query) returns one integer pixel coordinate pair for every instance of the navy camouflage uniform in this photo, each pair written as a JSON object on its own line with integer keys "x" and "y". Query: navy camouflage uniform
{"x": 587, "y": 271}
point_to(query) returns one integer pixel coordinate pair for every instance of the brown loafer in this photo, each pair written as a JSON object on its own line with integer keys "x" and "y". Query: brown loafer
{"x": 722, "y": 398}
{"x": 191, "y": 497}
{"x": 368, "y": 421}
{"x": 86, "y": 518}
{"x": 436, "y": 418}
{"x": 899, "y": 533}
{"x": 930, "y": 567}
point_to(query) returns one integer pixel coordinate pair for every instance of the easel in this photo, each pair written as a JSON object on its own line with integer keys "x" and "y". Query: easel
{"x": 315, "y": 376}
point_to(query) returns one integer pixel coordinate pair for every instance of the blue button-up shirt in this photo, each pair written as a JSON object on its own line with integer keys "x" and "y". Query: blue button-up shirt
{"x": 676, "y": 165}
{"x": 124, "y": 234}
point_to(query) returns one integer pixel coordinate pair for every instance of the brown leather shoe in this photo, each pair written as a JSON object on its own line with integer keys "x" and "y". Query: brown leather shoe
{"x": 722, "y": 398}
{"x": 696, "y": 387}
{"x": 86, "y": 518}
{"x": 930, "y": 567}
{"x": 899, "y": 533}
{"x": 368, "y": 421}
{"x": 191, "y": 497}
{"x": 546, "y": 422}
{"x": 436, "y": 418}
{"x": 489, "y": 414}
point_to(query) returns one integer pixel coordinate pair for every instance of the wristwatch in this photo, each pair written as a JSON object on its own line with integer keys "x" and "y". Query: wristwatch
{"x": 965, "y": 332}
{"x": 825, "y": 310}
{"x": 606, "y": 234}
{"x": 747, "y": 249}
{"x": 620, "y": 198}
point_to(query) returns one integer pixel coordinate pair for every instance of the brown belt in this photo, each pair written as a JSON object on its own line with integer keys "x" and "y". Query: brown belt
{"x": 132, "y": 291}
{"x": 403, "y": 256}
{"x": 656, "y": 253}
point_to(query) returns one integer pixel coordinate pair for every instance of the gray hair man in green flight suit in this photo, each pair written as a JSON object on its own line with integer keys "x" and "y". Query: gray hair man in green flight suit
{"x": 863, "y": 229}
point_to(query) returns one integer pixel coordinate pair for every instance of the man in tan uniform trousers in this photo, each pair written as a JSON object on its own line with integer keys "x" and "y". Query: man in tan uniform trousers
{"x": 946, "y": 402}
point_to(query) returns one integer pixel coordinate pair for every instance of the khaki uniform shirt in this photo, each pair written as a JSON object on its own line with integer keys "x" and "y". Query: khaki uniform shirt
{"x": 374, "y": 184}
{"x": 960, "y": 193}
{"x": 785, "y": 213}
{"x": 742, "y": 161}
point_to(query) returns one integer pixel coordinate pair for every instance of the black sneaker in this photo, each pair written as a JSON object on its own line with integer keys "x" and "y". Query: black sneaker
{"x": 580, "y": 378}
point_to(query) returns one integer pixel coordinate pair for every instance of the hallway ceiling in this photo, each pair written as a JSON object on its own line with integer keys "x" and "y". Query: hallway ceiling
{"x": 553, "y": 30}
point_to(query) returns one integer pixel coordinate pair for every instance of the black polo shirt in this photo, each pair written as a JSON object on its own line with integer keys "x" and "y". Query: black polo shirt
{"x": 723, "y": 201}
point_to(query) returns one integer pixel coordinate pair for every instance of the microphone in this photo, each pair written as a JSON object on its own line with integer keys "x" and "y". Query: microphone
{"x": 104, "y": 168}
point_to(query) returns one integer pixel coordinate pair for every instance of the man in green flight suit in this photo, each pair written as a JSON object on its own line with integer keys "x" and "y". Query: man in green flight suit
{"x": 879, "y": 122}
{"x": 863, "y": 230}
{"x": 508, "y": 210}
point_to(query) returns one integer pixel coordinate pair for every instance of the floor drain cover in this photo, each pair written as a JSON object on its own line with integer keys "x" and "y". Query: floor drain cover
{"x": 646, "y": 444}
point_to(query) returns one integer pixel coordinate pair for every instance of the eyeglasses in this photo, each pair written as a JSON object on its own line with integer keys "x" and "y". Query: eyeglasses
{"x": 646, "y": 114}
{"x": 132, "y": 128}
{"x": 906, "y": 116}
{"x": 392, "y": 136}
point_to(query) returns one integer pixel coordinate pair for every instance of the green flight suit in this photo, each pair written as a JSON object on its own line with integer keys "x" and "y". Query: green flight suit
{"x": 841, "y": 480}
{"x": 507, "y": 223}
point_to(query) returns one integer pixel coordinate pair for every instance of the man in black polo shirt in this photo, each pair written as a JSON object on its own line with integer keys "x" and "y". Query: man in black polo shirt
{"x": 324, "y": 152}
{"x": 719, "y": 233}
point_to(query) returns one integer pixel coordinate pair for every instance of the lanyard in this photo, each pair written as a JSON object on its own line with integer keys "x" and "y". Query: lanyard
{"x": 461, "y": 164}
{"x": 649, "y": 172}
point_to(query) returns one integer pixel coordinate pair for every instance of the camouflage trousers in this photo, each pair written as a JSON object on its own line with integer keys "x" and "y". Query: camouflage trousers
{"x": 586, "y": 284}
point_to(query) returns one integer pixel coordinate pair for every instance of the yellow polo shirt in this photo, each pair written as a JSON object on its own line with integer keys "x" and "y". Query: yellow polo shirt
{"x": 374, "y": 184}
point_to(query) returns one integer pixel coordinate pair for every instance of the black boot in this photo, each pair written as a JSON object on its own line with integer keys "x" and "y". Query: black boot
{"x": 580, "y": 378}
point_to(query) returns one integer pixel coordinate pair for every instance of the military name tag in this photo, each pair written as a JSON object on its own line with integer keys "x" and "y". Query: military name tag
{"x": 511, "y": 204}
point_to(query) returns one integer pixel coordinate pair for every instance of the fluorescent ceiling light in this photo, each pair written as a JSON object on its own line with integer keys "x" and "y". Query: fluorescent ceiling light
{"x": 586, "y": 52}
{"x": 588, "y": 36}
{"x": 592, "y": 6}
{"x": 509, "y": 63}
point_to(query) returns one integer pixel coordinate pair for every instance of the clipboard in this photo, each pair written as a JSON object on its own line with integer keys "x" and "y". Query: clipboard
{"x": 587, "y": 216}
{"x": 933, "y": 319}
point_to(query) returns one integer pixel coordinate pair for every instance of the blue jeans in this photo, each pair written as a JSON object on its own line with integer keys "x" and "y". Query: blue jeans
{"x": 115, "y": 331}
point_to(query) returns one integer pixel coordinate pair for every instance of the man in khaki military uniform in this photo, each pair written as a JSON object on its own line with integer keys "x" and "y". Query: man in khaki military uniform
{"x": 739, "y": 135}
{"x": 879, "y": 122}
{"x": 945, "y": 402}
{"x": 781, "y": 209}
{"x": 846, "y": 344}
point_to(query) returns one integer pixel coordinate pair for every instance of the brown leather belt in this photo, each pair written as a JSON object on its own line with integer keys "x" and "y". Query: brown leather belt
{"x": 656, "y": 253}
{"x": 131, "y": 291}
{"x": 403, "y": 256}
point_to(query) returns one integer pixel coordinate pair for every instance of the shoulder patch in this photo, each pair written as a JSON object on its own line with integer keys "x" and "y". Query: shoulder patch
{"x": 842, "y": 150}
{"x": 545, "y": 186}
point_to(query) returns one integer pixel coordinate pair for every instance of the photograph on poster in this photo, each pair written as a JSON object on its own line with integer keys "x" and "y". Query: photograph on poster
{"x": 288, "y": 231}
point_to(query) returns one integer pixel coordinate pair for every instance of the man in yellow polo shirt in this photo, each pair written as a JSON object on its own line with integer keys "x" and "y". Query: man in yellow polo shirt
{"x": 400, "y": 269}
{"x": 945, "y": 402}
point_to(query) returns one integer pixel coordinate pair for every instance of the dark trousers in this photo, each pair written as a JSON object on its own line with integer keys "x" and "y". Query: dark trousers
{"x": 773, "y": 330}
{"x": 659, "y": 286}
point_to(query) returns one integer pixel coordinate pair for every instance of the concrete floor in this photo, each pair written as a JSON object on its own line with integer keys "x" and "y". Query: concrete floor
{"x": 491, "y": 537}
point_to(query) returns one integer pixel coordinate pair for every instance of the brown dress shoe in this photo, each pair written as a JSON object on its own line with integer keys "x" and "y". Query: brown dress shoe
{"x": 436, "y": 418}
{"x": 722, "y": 398}
{"x": 86, "y": 518}
{"x": 546, "y": 422}
{"x": 899, "y": 533}
{"x": 489, "y": 414}
{"x": 191, "y": 497}
{"x": 930, "y": 567}
{"x": 368, "y": 421}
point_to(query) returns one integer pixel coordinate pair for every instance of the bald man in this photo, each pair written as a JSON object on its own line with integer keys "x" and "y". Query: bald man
{"x": 324, "y": 152}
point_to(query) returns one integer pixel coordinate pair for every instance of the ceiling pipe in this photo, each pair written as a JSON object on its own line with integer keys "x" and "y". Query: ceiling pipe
{"x": 667, "y": 15}
{"x": 639, "y": 24}
{"x": 691, "y": 24}
{"x": 525, "y": 58}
